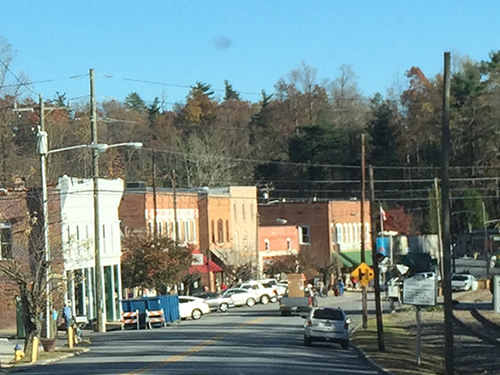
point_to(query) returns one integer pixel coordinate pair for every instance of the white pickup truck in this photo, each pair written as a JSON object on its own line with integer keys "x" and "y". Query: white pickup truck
{"x": 300, "y": 305}
{"x": 298, "y": 297}
{"x": 265, "y": 293}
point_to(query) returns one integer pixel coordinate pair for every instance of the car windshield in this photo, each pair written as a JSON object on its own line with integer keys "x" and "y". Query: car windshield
{"x": 329, "y": 314}
{"x": 459, "y": 278}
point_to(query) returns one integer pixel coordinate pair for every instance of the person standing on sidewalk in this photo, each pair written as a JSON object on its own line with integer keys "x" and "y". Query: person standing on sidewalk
{"x": 340, "y": 287}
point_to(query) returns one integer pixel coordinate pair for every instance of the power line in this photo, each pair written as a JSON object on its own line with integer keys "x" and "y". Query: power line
{"x": 17, "y": 78}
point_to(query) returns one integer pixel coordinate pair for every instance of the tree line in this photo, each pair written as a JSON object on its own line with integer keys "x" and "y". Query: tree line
{"x": 302, "y": 140}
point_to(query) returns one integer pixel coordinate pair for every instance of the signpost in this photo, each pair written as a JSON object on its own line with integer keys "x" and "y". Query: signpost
{"x": 419, "y": 291}
{"x": 496, "y": 293}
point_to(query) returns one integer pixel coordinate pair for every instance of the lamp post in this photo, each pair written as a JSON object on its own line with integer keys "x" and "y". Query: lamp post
{"x": 97, "y": 148}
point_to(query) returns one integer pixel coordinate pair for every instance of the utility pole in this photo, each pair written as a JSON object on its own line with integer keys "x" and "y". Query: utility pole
{"x": 45, "y": 209}
{"x": 440, "y": 238}
{"x": 155, "y": 204}
{"x": 42, "y": 146}
{"x": 445, "y": 199}
{"x": 174, "y": 186}
{"x": 378, "y": 307}
{"x": 364, "y": 291}
{"x": 485, "y": 247}
{"x": 99, "y": 282}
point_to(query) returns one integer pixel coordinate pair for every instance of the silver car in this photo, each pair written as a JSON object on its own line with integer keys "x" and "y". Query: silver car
{"x": 216, "y": 301}
{"x": 241, "y": 296}
{"x": 327, "y": 324}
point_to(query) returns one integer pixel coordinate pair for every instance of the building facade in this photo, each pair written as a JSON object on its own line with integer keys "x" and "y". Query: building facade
{"x": 78, "y": 246}
{"x": 323, "y": 228}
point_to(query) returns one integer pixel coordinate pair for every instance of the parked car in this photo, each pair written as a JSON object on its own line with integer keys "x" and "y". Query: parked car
{"x": 241, "y": 296}
{"x": 216, "y": 301}
{"x": 280, "y": 287}
{"x": 327, "y": 324}
{"x": 193, "y": 307}
{"x": 463, "y": 282}
{"x": 265, "y": 292}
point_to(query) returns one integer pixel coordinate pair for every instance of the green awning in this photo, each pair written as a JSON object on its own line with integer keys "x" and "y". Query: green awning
{"x": 352, "y": 259}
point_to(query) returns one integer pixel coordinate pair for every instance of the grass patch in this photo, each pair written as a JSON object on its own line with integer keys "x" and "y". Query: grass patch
{"x": 400, "y": 354}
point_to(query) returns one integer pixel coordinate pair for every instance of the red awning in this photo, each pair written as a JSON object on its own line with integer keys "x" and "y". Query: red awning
{"x": 212, "y": 267}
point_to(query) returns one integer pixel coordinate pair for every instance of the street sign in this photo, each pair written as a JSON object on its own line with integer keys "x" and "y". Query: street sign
{"x": 363, "y": 273}
{"x": 419, "y": 291}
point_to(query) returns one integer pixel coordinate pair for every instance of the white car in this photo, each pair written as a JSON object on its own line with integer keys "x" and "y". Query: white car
{"x": 463, "y": 282}
{"x": 241, "y": 296}
{"x": 280, "y": 287}
{"x": 192, "y": 307}
{"x": 327, "y": 324}
{"x": 265, "y": 292}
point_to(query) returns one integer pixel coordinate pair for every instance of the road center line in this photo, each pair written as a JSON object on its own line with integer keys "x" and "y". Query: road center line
{"x": 194, "y": 349}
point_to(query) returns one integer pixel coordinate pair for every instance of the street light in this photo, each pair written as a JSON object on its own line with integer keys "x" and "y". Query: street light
{"x": 43, "y": 151}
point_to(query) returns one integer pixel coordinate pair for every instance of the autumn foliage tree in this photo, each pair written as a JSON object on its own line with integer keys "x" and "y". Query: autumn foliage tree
{"x": 154, "y": 263}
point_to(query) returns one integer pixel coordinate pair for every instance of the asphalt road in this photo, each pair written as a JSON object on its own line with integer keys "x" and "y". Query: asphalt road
{"x": 243, "y": 341}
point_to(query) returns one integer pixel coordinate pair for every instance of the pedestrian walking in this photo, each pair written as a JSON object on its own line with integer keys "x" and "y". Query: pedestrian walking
{"x": 340, "y": 287}
{"x": 67, "y": 315}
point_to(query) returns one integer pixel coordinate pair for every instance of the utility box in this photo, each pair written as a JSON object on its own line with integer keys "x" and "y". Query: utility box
{"x": 296, "y": 284}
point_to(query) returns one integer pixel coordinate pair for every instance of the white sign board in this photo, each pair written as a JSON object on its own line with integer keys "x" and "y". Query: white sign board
{"x": 496, "y": 293}
{"x": 419, "y": 291}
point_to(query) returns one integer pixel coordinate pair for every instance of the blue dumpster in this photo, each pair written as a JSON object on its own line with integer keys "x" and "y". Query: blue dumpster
{"x": 169, "y": 304}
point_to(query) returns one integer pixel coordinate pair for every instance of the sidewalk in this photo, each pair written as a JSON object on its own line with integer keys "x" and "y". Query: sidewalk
{"x": 8, "y": 341}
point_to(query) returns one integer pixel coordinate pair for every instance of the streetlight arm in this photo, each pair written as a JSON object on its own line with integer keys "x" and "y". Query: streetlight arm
{"x": 135, "y": 145}
{"x": 100, "y": 147}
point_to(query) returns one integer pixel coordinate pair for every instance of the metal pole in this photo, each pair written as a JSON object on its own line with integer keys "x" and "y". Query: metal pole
{"x": 440, "y": 239}
{"x": 419, "y": 334}
{"x": 45, "y": 209}
{"x": 378, "y": 306}
{"x": 99, "y": 281}
{"x": 485, "y": 248}
{"x": 445, "y": 205}
{"x": 364, "y": 291}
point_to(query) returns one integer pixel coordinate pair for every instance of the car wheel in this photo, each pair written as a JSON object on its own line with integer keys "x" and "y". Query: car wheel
{"x": 345, "y": 344}
{"x": 224, "y": 307}
{"x": 196, "y": 314}
{"x": 307, "y": 341}
{"x": 264, "y": 300}
{"x": 250, "y": 302}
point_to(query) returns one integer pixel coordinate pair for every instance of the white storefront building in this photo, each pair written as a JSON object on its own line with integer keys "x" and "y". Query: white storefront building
{"x": 77, "y": 226}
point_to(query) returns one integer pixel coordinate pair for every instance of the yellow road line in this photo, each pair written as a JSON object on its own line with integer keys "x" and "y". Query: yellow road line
{"x": 194, "y": 349}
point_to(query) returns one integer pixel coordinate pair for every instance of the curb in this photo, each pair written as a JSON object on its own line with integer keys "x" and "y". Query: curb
{"x": 13, "y": 367}
{"x": 363, "y": 354}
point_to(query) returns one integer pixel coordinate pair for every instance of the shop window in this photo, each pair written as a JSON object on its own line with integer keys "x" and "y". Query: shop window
{"x": 304, "y": 234}
{"x": 6, "y": 240}
{"x": 220, "y": 231}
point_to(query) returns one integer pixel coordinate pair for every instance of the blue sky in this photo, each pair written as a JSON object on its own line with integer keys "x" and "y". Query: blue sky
{"x": 252, "y": 44}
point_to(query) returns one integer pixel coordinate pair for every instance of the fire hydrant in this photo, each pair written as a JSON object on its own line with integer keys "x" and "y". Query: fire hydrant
{"x": 18, "y": 353}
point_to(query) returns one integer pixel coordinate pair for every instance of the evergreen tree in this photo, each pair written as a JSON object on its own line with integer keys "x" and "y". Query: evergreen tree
{"x": 230, "y": 94}
{"x": 134, "y": 101}
{"x": 384, "y": 147}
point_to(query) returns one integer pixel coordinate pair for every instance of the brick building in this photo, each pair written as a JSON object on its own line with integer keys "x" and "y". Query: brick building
{"x": 323, "y": 228}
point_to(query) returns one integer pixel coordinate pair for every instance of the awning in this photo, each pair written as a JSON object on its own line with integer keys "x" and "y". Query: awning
{"x": 211, "y": 267}
{"x": 353, "y": 258}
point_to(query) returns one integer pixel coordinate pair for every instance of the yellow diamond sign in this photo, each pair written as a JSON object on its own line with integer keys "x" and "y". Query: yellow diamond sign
{"x": 363, "y": 273}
